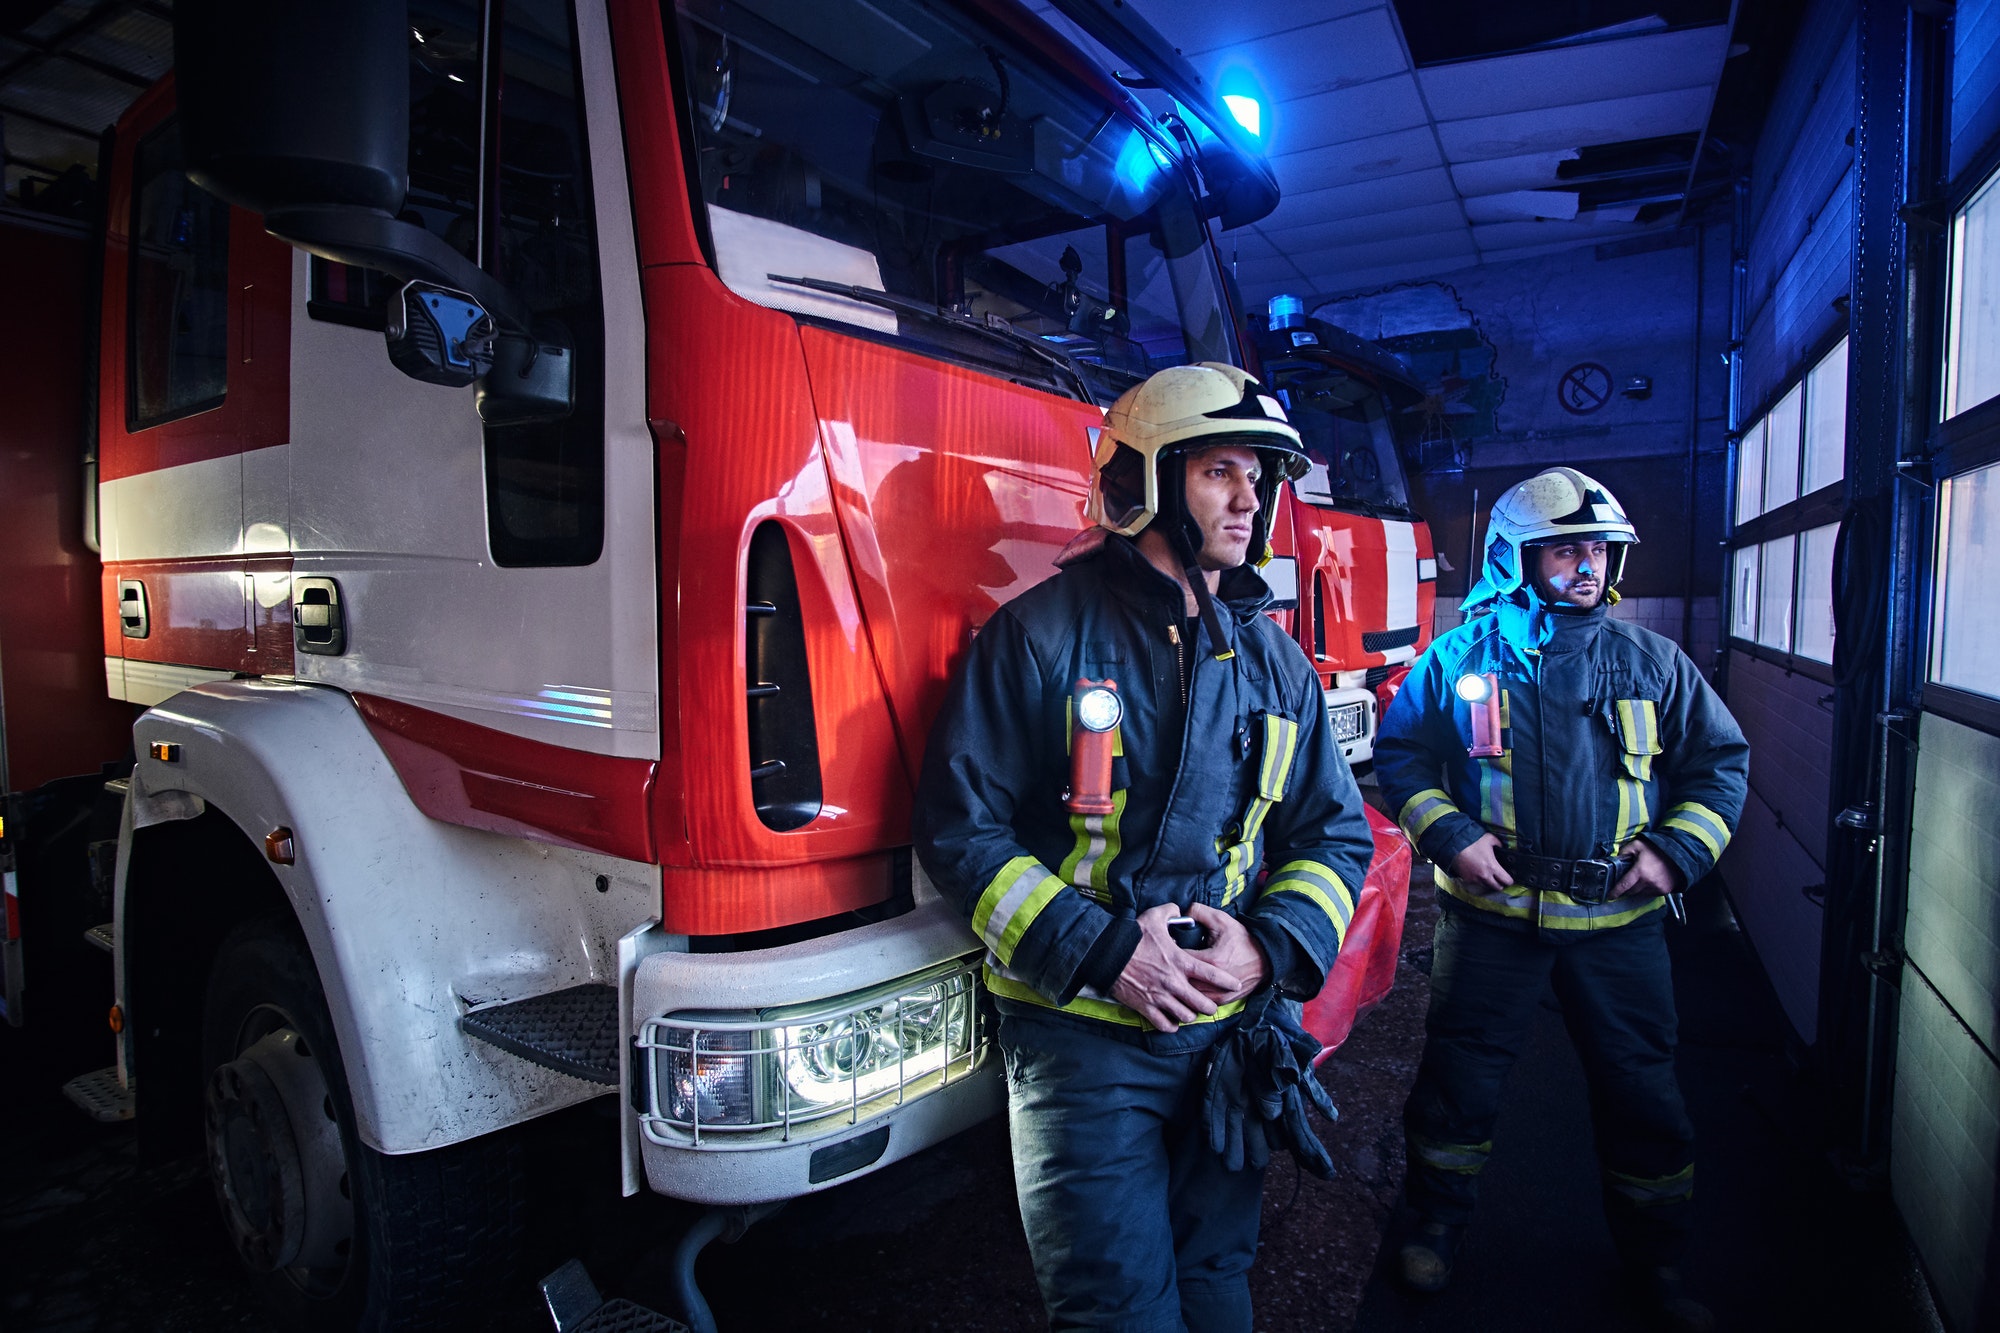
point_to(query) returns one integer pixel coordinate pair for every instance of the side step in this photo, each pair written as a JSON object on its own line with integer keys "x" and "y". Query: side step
{"x": 577, "y": 1307}
{"x": 572, "y": 1031}
{"x": 100, "y": 1096}
{"x": 104, "y": 937}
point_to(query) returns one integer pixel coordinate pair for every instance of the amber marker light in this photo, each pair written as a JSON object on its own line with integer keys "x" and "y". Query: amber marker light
{"x": 1098, "y": 710}
{"x": 116, "y": 1018}
{"x": 167, "y": 752}
{"x": 278, "y": 846}
{"x": 1482, "y": 694}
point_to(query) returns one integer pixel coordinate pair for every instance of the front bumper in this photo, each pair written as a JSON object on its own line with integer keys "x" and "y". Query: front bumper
{"x": 784, "y": 1160}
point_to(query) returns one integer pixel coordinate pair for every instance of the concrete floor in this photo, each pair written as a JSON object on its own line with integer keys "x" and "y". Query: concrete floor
{"x": 91, "y": 1241}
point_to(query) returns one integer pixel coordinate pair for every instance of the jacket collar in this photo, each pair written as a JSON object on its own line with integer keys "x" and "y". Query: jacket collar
{"x": 1531, "y": 627}
{"x": 1131, "y": 577}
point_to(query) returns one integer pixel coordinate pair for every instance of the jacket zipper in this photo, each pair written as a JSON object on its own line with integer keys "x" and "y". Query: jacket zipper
{"x": 1180, "y": 662}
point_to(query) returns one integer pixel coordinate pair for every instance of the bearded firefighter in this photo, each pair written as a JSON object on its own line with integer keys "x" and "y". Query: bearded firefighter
{"x": 1125, "y": 751}
{"x": 1570, "y": 775}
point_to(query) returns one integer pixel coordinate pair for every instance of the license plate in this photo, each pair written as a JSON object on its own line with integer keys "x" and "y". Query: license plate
{"x": 1350, "y": 721}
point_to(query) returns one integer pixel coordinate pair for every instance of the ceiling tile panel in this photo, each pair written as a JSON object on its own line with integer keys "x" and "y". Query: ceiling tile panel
{"x": 1301, "y": 207}
{"x": 1418, "y": 221}
{"x": 1348, "y": 162}
{"x": 1502, "y": 175}
{"x": 1372, "y": 254}
{"x": 1338, "y": 53}
{"x": 1356, "y": 279}
{"x": 1359, "y": 112}
{"x": 1263, "y": 273}
{"x": 1682, "y": 111}
{"x": 1592, "y": 72}
{"x": 1586, "y": 228}
{"x": 1200, "y": 26}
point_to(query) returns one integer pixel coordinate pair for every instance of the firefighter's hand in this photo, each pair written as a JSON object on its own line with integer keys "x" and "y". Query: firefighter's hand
{"x": 1479, "y": 865}
{"x": 1163, "y": 982}
{"x": 1232, "y": 948}
{"x": 1651, "y": 874}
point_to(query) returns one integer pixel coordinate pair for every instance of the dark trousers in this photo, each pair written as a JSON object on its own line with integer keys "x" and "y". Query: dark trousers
{"x": 1617, "y": 1001}
{"x": 1132, "y": 1220}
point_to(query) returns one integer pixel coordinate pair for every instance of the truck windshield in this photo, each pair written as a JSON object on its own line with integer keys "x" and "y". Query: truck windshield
{"x": 894, "y": 145}
{"x": 1352, "y": 449}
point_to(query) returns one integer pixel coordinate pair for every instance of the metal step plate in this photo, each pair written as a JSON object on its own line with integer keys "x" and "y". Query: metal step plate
{"x": 99, "y": 1095}
{"x": 104, "y": 937}
{"x": 573, "y": 1031}
{"x": 622, "y": 1316}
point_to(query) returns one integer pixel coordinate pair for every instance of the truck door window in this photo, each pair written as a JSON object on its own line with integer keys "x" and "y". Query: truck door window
{"x": 545, "y": 480}
{"x": 178, "y": 325}
{"x": 1352, "y": 449}
{"x": 895, "y": 146}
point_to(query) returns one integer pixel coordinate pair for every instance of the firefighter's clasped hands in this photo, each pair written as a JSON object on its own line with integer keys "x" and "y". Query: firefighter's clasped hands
{"x": 1168, "y": 985}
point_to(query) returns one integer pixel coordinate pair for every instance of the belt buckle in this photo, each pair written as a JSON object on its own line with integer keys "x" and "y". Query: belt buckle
{"x": 1590, "y": 881}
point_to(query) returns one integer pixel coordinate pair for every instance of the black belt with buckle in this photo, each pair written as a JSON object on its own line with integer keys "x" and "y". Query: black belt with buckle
{"x": 1586, "y": 881}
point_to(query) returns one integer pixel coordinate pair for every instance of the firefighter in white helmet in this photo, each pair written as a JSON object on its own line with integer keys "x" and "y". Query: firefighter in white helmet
{"x": 1569, "y": 774}
{"x": 1127, "y": 744}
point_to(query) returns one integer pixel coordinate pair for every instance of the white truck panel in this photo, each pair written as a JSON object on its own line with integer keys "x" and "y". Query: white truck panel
{"x": 388, "y": 496}
{"x": 411, "y": 921}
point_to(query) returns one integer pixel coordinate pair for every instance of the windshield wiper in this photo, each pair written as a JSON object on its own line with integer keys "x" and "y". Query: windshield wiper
{"x": 993, "y": 328}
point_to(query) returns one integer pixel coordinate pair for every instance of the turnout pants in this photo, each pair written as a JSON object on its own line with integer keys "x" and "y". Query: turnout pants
{"x": 1618, "y": 1004}
{"x": 1132, "y": 1220}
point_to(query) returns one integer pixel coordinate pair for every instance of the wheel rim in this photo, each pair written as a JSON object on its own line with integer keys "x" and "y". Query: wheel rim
{"x": 276, "y": 1157}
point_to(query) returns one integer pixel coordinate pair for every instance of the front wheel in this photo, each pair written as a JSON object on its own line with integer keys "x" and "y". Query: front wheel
{"x": 338, "y": 1235}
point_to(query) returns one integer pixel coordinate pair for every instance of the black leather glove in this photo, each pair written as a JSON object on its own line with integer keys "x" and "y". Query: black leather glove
{"x": 1260, "y": 1082}
{"x": 1235, "y": 1131}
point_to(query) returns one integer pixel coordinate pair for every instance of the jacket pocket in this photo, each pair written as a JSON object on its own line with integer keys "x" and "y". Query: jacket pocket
{"x": 1277, "y": 749}
{"x": 1636, "y": 723}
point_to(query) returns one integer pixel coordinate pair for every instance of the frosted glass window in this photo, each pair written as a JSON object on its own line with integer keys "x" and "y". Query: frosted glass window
{"x": 1814, "y": 636}
{"x": 1781, "y": 451}
{"x": 1774, "y": 612}
{"x": 1826, "y": 420}
{"x": 1743, "y": 595}
{"x": 1972, "y": 336}
{"x": 1965, "y": 642}
{"x": 1750, "y": 474}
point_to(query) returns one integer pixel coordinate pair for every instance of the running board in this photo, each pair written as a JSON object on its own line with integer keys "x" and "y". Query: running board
{"x": 572, "y": 1031}
{"x": 101, "y": 1096}
{"x": 577, "y": 1307}
{"x": 104, "y": 937}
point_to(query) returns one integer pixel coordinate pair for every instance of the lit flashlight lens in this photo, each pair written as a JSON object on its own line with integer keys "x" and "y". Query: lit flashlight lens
{"x": 1474, "y": 689}
{"x": 1098, "y": 710}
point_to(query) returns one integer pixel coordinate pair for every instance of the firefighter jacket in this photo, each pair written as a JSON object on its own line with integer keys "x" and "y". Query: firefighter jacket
{"x": 1608, "y": 733}
{"x": 1218, "y": 770}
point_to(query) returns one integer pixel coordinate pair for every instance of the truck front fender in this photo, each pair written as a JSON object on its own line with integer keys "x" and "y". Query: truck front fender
{"x": 410, "y": 922}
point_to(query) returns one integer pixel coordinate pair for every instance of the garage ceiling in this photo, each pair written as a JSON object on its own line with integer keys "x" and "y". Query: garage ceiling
{"x": 1410, "y": 138}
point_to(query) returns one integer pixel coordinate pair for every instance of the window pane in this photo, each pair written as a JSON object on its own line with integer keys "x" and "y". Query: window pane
{"x": 1750, "y": 474}
{"x": 179, "y": 331}
{"x": 1743, "y": 600}
{"x": 1781, "y": 451}
{"x": 1815, "y": 632}
{"x": 1972, "y": 345}
{"x": 1966, "y": 645}
{"x": 1774, "y": 616}
{"x": 1826, "y": 420}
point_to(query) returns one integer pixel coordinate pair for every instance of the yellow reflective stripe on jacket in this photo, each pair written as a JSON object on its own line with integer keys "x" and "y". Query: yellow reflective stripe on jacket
{"x": 1639, "y": 733}
{"x": 1496, "y": 796}
{"x": 1696, "y": 818}
{"x": 1424, "y": 809}
{"x": 1010, "y": 987}
{"x": 1281, "y": 743}
{"x": 1634, "y": 811}
{"x": 1550, "y": 911}
{"x": 1319, "y": 884}
{"x": 1011, "y": 903}
{"x": 1088, "y": 866}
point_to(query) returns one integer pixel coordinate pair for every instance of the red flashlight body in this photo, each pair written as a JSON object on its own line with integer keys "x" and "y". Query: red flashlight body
{"x": 1486, "y": 723}
{"x": 1090, "y": 754}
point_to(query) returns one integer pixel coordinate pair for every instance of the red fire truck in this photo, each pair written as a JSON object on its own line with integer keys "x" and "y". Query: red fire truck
{"x": 550, "y": 458}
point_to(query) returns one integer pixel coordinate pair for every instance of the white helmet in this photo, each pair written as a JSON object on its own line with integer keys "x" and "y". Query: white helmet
{"x": 1558, "y": 504}
{"x": 1176, "y": 411}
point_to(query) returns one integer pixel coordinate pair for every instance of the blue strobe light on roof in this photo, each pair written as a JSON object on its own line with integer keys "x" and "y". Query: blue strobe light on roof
{"x": 1247, "y": 111}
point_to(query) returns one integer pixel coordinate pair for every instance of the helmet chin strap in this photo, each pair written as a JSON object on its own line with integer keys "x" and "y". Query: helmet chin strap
{"x": 1204, "y": 600}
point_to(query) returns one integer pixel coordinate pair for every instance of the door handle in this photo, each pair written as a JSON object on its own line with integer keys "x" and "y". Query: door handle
{"x": 133, "y": 617}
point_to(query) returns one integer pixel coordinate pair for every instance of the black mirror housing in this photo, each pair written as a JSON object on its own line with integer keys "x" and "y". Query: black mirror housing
{"x": 283, "y": 104}
{"x": 532, "y": 379}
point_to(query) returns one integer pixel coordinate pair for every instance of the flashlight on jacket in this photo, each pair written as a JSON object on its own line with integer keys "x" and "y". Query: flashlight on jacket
{"x": 1096, "y": 711}
{"x": 1482, "y": 693}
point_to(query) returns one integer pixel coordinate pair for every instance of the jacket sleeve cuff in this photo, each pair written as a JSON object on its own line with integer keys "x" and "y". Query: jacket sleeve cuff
{"x": 1292, "y": 968}
{"x": 1450, "y": 836}
{"x": 1689, "y": 866}
{"x": 1105, "y": 962}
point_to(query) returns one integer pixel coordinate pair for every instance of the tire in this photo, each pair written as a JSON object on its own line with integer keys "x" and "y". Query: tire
{"x": 337, "y": 1235}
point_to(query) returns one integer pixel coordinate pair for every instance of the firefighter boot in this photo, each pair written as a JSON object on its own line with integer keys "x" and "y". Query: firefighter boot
{"x": 1663, "y": 1293}
{"x": 1424, "y": 1261}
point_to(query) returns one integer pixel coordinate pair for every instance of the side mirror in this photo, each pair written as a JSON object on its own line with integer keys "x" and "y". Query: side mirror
{"x": 442, "y": 336}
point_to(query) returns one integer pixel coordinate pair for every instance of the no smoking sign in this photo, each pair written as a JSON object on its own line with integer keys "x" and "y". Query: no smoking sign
{"x": 1584, "y": 387}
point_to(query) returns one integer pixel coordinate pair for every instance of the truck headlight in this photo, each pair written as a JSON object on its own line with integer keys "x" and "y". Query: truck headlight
{"x": 807, "y": 1067}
